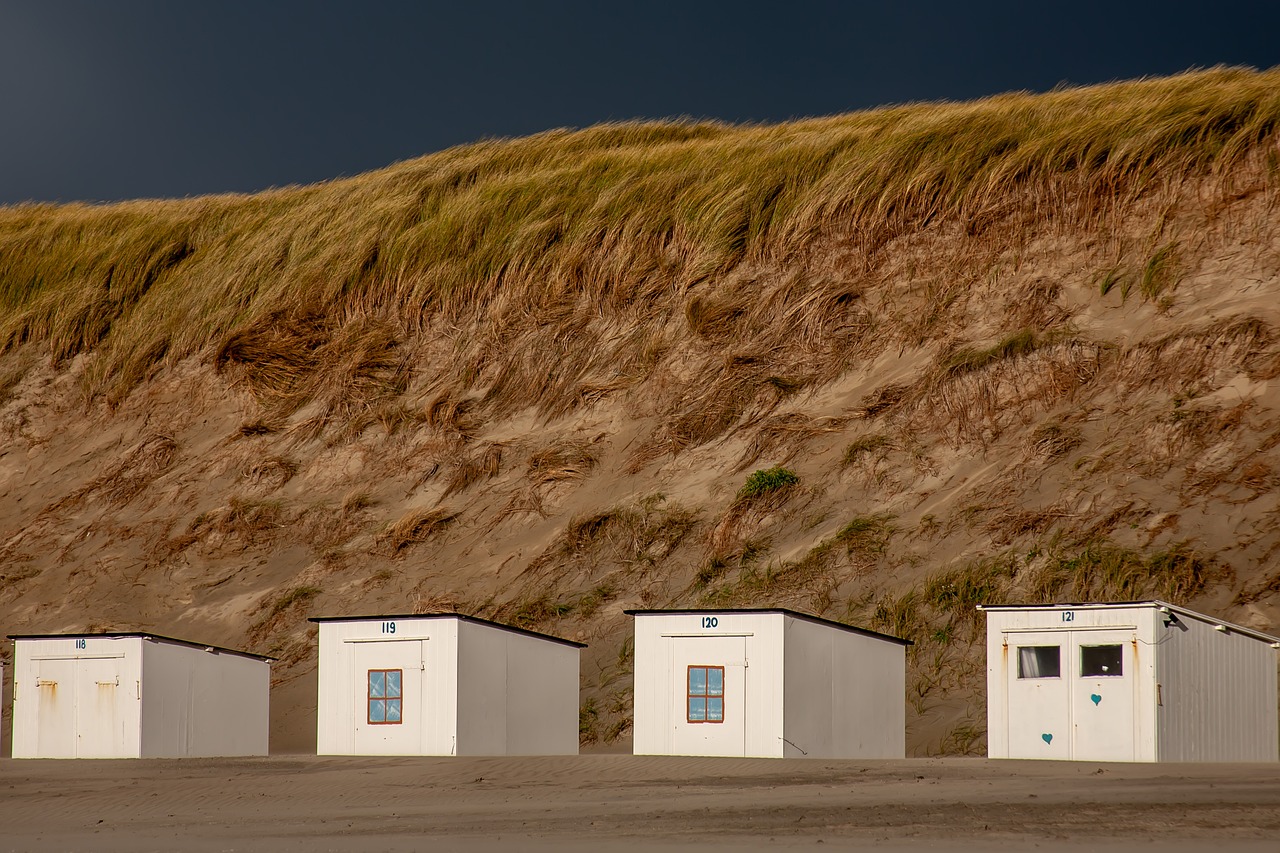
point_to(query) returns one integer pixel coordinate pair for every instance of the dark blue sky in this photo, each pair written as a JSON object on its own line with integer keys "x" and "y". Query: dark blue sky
{"x": 111, "y": 99}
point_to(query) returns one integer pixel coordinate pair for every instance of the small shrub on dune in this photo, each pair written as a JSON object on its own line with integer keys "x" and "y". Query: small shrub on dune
{"x": 767, "y": 482}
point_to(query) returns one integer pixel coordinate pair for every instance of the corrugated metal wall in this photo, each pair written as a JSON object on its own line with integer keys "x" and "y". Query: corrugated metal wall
{"x": 517, "y": 695}
{"x": 1217, "y": 694}
{"x": 845, "y": 694}
{"x": 198, "y": 703}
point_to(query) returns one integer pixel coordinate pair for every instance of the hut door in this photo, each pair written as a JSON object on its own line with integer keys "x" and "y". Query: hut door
{"x": 1038, "y": 710}
{"x": 56, "y": 712}
{"x": 99, "y": 715}
{"x": 1102, "y": 687}
{"x": 387, "y": 687}
{"x": 79, "y": 712}
{"x": 709, "y": 708}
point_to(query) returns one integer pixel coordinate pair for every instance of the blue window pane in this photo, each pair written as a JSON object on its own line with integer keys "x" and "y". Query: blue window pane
{"x": 715, "y": 710}
{"x": 393, "y": 683}
{"x": 393, "y": 710}
{"x": 377, "y": 684}
{"x": 698, "y": 680}
{"x": 377, "y": 710}
{"x": 697, "y": 709}
{"x": 715, "y": 682}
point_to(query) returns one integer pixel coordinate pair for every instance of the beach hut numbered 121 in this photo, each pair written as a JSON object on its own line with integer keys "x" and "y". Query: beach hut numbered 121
{"x": 1139, "y": 681}
{"x": 769, "y": 683}
{"x": 444, "y": 684}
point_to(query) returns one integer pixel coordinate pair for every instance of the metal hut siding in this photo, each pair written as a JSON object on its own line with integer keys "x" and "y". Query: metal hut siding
{"x": 444, "y": 684}
{"x": 1143, "y": 681}
{"x": 766, "y": 683}
{"x": 136, "y": 696}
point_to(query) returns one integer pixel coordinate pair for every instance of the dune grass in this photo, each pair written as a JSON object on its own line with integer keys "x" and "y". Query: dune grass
{"x": 619, "y": 218}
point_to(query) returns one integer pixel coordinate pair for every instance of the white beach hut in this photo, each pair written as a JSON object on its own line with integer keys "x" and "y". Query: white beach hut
{"x": 1139, "y": 681}
{"x": 768, "y": 683}
{"x": 444, "y": 684}
{"x": 136, "y": 695}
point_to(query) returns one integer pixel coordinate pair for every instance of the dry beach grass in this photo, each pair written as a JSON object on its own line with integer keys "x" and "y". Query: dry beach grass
{"x": 1020, "y": 348}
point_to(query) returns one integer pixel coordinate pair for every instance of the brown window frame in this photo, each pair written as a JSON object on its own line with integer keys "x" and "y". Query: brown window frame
{"x": 704, "y": 696}
{"x": 369, "y": 698}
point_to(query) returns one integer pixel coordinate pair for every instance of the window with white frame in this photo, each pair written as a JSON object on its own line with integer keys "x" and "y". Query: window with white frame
{"x": 385, "y": 697}
{"x": 1039, "y": 662}
{"x": 1101, "y": 661}
{"x": 706, "y": 694}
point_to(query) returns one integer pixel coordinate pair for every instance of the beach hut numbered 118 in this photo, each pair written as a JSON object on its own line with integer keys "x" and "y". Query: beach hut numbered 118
{"x": 1140, "y": 681}
{"x": 769, "y": 683}
{"x": 444, "y": 684}
{"x": 136, "y": 695}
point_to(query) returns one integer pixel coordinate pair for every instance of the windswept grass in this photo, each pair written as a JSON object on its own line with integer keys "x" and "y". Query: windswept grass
{"x": 867, "y": 535}
{"x": 864, "y": 446}
{"x": 1105, "y": 572}
{"x": 1161, "y": 272}
{"x": 966, "y": 359}
{"x": 313, "y": 293}
{"x": 415, "y": 527}
{"x": 276, "y": 612}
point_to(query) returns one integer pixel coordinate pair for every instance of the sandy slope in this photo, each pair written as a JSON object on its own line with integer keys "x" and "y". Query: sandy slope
{"x": 1144, "y": 424}
{"x": 626, "y": 803}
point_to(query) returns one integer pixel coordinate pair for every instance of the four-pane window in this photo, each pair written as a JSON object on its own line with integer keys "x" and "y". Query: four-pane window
{"x": 706, "y": 694}
{"x": 384, "y": 696}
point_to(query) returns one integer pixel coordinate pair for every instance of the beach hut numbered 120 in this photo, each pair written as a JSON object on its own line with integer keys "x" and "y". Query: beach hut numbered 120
{"x": 136, "y": 695}
{"x": 1140, "y": 681}
{"x": 768, "y": 683}
{"x": 444, "y": 684}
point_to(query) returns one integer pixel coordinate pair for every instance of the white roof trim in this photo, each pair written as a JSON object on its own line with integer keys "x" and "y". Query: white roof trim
{"x": 1153, "y": 603}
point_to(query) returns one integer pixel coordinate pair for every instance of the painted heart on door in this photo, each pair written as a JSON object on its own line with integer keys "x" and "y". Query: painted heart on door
{"x": 1095, "y": 697}
{"x": 1048, "y": 738}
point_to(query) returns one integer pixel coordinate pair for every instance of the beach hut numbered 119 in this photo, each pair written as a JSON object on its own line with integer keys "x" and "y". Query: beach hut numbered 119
{"x": 1140, "y": 681}
{"x": 444, "y": 684}
{"x": 136, "y": 695}
{"x": 769, "y": 683}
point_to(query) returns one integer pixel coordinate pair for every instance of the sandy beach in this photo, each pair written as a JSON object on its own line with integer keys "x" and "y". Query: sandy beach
{"x": 625, "y": 803}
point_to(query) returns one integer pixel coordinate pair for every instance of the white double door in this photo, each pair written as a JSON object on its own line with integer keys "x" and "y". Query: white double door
{"x": 1071, "y": 695}
{"x": 81, "y": 708}
{"x": 709, "y": 696}
{"x": 389, "y": 713}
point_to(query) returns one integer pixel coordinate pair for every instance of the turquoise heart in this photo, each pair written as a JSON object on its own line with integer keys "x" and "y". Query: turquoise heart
{"x": 1095, "y": 697}
{"x": 1047, "y": 738}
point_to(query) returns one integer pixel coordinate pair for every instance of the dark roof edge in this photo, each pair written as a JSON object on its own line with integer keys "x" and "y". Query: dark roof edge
{"x": 146, "y": 635}
{"x": 853, "y": 629}
{"x": 464, "y": 617}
